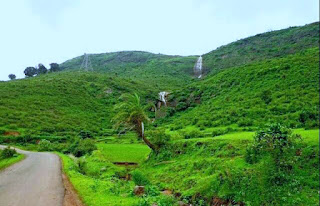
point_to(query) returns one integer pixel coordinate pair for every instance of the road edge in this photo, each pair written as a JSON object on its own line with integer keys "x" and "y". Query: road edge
{"x": 71, "y": 197}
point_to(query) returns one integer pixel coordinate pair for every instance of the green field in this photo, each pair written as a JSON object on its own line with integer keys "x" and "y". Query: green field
{"x": 124, "y": 152}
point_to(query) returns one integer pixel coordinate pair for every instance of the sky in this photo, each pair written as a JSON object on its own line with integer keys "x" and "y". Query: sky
{"x": 46, "y": 31}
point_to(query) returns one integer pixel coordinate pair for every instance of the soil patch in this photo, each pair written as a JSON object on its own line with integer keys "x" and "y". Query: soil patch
{"x": 126, "y": 163}
{"x": 11, "y": 133}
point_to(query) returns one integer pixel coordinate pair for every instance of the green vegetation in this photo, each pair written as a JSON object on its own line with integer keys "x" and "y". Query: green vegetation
{"x": 264, "y": 46}
{"x": 8, "y": 157}
{"x": 278, "y": 90}
{"x": 210, "y": 144}
{"x": 136, "y": 153}
{"x": 203, "y": 168}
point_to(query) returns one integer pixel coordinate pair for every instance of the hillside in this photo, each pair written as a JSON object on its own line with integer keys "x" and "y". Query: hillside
{"x": 263, "y": 46}
{"x": 282, "y": 89}
{"x": 163, "y": 71}
{"x": 64, "y": 102}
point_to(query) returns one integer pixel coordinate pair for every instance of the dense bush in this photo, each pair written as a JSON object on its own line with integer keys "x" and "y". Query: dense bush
{"x": 139, "y": 178}
{"x": 82, "y": 147}
{"x": 45, "y": 145}
{"x": 7, "y": 153}
{"x": 158, "y": 137}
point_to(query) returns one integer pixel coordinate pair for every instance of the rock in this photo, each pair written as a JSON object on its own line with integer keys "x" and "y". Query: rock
{"x": 138, "y": 190}
{"x": 108, "y": 91}
{"x": 166, "y": 192}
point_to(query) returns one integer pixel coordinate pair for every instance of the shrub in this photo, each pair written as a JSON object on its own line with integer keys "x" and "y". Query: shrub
{"x": 8, "y": 153}
{"x": 45, "y": 145}
{"x": 158, "y": 137}
{"x": 82, "y": 147}
{"x": 139, "y": 178}
{"x": 280, "y": 144}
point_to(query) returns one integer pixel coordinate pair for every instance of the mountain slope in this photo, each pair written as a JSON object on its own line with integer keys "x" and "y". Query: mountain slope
{"x": 263, "y": 46}
{"x": 163, "y": 71}
{"x": 64, "y": 102}
{"x": 281, "y": 89}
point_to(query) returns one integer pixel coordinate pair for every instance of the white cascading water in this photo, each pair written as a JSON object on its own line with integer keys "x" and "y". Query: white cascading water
{"x": 198, "y": 67}
{"x": 162, "y": 97}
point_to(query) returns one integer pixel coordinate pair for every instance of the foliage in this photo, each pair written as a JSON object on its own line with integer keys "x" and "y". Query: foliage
{"x": 12, "y": 76}
{"x": 203, "y": 168}
{"x": 131, "y": 114}
{"x": 252, "y": 95}
{"x": 139, "y": 178}
{"x": 158, "y": 137}
{"x": 82, "y": 147}
{"x": 41, "y": 69}
{"x": 7, "y": 153}
{"x": 30, "y": 71}
{"x": 54, "y": 67}
{"x": 4, "y": 163}
{"x": 276, "y": 140}
{"x": 85, "y": 134}
{"x": 45, "y": 145}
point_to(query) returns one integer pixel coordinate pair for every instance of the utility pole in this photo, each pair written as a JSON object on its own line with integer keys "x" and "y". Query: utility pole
{"x": 86, "y": 63}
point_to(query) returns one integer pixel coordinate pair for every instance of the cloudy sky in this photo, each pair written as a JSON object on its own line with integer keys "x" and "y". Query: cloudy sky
{"x": 46, "y": 31}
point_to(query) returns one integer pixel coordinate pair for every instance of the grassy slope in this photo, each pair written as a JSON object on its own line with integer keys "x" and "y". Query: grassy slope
{"x": 64, "y": 102}
{"x": 281, "y": 89}
{"x": 162, "y": 71}
{"x": 215, "y": 167}
{"x": 58, "y": 103}
{"x": 4, "y": 163}
{"x": 263, "y": 46}
{"x": 99, "y": 185}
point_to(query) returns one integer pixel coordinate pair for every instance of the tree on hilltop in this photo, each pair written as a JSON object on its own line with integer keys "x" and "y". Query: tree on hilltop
{"x": 42, "y": 69}
{"x": 30, "y": 71}
{"x": 12, "y": 76}
{"x": 54, "y": 67}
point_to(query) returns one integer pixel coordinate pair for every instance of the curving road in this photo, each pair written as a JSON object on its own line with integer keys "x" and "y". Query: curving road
{"x": 35, "y": 181}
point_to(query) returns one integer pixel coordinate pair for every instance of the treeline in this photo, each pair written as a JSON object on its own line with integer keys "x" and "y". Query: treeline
{"x": 41, "y": 69}
{"x": 38, "y": 70}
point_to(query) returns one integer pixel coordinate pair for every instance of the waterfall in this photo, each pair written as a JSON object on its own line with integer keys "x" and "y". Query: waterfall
{"x": 198, "y": 67}
{"x": 162, "y": 97}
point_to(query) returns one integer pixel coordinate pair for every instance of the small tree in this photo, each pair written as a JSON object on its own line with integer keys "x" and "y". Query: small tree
{"x": 42, "y": 69}
{"x": 131, "y": 115}
{"x": 54, "y": 67}
{"x": 30, "y": 71}
{"x": 12, "y": 76}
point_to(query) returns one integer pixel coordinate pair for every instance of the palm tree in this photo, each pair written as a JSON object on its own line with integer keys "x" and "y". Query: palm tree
{"x": 131, "y": 115}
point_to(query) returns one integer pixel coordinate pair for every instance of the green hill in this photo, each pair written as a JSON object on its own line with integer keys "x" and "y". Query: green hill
{"x": 163, "y": 71}
{"x": 64, "y": 102}
{"x": 278, "y": 83}
{"x": 263, "y": 46}
{"x": 278, "y": 90}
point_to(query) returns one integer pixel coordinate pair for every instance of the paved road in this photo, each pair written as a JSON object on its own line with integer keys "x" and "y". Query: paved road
{"x": 35, "y": 181}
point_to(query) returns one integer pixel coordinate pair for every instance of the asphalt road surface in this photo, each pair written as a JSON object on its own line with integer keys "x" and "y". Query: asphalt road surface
{"x": 35, "y": 181}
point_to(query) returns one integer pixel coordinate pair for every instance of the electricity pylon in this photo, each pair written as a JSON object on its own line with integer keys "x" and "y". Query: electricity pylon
{"x": 86, "y": 63}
